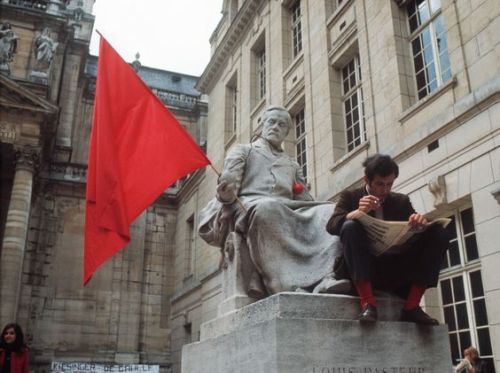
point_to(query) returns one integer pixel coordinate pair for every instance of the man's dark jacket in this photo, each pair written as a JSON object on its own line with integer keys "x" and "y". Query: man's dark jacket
{"x": 396, "y": 207}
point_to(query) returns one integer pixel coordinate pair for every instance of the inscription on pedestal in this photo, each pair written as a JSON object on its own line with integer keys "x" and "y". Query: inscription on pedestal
{"x": 351, "y": 369}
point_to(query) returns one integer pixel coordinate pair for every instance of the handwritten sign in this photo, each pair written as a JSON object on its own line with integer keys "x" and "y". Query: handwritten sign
{"x": 76, "y": 367}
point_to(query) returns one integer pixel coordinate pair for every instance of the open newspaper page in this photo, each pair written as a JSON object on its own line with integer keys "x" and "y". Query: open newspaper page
{"x": 390, "y": 236}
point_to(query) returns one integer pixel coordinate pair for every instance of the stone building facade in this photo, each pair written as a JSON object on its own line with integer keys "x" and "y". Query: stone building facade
{"x": 47, "y": 81}
{"x": 416, "y": 79}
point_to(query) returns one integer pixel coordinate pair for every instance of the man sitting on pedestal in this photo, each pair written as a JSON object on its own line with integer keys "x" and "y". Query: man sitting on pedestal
{"x": 408, "y": 273}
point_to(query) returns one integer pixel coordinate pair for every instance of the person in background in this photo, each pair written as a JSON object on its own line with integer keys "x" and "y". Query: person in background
{"x": 472, "y": 363}
{"x": 13, "y": 351}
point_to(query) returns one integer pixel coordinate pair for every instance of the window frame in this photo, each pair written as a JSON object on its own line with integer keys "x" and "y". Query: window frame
{"x": 354, "y": 90}
{"x": 418, "y": 33}
{"x": 260, "y": 59}
{"x": 296, "y": 28}
{"x": 299, "y": 124}
{"x": 463, "y": 270}
{"x": 189, "y": 249}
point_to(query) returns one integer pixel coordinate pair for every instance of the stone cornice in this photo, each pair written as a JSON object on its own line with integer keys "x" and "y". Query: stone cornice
{"x": 228, "y": 43}
{"x": 30, "y": 101}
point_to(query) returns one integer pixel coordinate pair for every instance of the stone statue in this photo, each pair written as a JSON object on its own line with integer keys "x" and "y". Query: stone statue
{"x": 45, "y": 48}
{"x": 8, "y": 43}
{"x": 262, "y": 199}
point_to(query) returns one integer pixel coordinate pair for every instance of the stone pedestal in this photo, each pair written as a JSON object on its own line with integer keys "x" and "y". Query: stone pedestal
{"x": 295, "y": 332}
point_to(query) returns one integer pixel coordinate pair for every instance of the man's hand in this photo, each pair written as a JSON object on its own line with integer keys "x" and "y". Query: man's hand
{"x": 417, "y": 221}
{"x": 368, "y": 203}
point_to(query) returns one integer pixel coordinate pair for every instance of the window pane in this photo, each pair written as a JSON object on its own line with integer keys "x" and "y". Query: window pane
{"x": 416, "y": 46}
{"x": 455, "y": 348}
{"x": 428, "y": 56}
{"x": 413, "y": 23}
{"x": 419, "y": 62}
{"x": 356, "y": 132}
{"x": 446, "y": 75}
{"x": 446, "y": 262}
{"x": 446, "y": 292}
{"x": 454, "y": 253}
{"x": 467, "y": 221}
{"x": 421, "y": 80}
{"x": 476, "y": 284}
{"x": 480, "y": 312}
{"x": 435, "y": 5}
{"x": 464, "y": 340}
{"x": 348, "y": 120}
{"x": 451, "y": 228}
{"x": 458, "y": 289}
{"x": 347, "y": 105}
{"x": 462, "y": 319}
{"x": 423, "y": 11}
{"x": 422, "y": 93}
{"x": 354, "y": 101}
{"x": 483, "y": 336}
{"x": 355, "y": 116}
{"x": 449, "y": 318}
{"x": 471, "y": 247}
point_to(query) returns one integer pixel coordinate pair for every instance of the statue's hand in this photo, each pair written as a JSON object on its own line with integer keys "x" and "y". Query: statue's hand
{"x": 226, "y": 189}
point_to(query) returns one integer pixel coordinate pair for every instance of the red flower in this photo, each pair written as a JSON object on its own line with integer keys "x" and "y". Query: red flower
{"x": 297, "y": 188}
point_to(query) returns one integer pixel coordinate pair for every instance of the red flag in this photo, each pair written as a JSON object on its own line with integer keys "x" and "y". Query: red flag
{"x": 137, "y": 150}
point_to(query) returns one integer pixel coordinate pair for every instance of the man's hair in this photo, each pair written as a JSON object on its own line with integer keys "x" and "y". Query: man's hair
{"x": 471, "y": 351}
{"x": 380, "y": 164}
{"x": 273, "y": 109}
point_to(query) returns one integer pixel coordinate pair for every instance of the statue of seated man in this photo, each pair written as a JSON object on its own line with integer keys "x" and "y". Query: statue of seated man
{"x": 262, "y": 197}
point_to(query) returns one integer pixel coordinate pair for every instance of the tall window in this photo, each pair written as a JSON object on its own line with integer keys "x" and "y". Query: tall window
{"x": 296, "y": 29}
{"x": 429, "y": 46}
{"x": 300, "y": 141}
{"x": 462, "y": 294}
{"x": 189, "y": 247}
{"x": 261, "y": 74}
{"x": 353, "y": 104}
{"x": 231, "y": 118}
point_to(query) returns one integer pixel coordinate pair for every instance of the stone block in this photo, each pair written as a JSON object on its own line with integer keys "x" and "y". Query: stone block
{"x": 293, "y": 332}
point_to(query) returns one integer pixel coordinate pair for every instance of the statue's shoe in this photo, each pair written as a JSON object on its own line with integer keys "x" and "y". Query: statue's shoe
{"x": 333, "y": 286}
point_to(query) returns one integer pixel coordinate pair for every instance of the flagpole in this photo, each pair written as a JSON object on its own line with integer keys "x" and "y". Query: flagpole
{"x": 237, "y": 199}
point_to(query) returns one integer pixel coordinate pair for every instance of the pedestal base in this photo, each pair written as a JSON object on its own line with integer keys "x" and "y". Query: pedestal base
{"x": 294, "y": 333}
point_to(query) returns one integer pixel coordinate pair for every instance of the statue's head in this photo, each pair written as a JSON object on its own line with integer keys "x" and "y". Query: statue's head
{"x": 277, "y": 122}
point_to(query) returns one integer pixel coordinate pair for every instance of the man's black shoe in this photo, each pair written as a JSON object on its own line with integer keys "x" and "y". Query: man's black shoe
{"x": 368, "y": 313}
{"x": 418, "y": 316}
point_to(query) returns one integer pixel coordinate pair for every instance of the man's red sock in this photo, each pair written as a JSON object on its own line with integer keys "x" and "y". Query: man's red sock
{"x": 414, "y": 296}
{"x": 365, "y": 293}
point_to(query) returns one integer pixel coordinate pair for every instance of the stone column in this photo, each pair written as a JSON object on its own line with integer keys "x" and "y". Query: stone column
{"x": 16, "y": 228}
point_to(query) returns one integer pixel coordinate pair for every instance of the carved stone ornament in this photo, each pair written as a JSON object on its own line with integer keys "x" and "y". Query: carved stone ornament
{"x": 496, "y": 194}
{"x": 45, "y": 48}
{"x": 8, "y": 44}
{"x": 437, "y": 187}
{"x": 27, "y": 158}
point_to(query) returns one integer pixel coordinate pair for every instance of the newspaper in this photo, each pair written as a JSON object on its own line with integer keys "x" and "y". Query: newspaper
{"x": 390, "y": 237}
